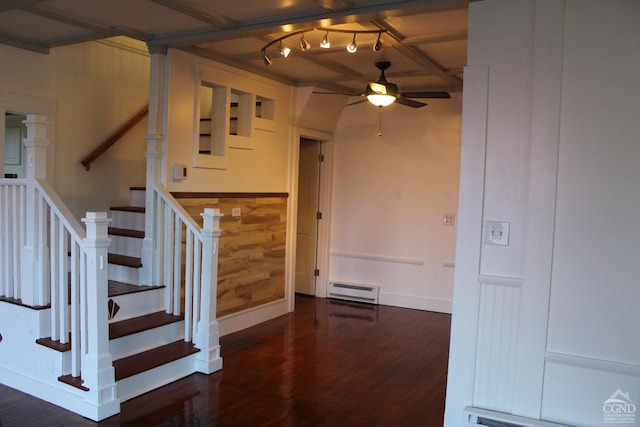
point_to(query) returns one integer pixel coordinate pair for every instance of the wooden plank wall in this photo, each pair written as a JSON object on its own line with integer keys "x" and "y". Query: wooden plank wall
{"x": 251, "y": 260}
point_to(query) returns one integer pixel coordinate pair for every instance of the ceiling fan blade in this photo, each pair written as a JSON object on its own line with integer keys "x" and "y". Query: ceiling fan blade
{"x": 356, "y": 102}
{"x": 410, "y": 102}
{"x": 338, "y": 93}
{"x": 444, "y": 95}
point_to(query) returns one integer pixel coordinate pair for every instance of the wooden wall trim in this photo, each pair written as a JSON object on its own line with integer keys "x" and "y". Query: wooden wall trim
{"x": 205, "y": 195}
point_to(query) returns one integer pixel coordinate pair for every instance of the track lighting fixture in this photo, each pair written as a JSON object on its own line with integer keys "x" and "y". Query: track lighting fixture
{"x": 353, "y": 47}
{"x": 378, "y": 45}
{"x": 325, "y": 43}
{"x": 304, "y": 45}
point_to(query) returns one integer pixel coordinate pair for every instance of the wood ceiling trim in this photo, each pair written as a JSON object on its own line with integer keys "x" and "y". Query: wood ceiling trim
{"x": 66, "y": 19}
{"x": 194, "y": 11}
{"x": 320, "y": 17}
{"x": 23, "y": 44}
{"x": 16, "y": 4}
{"x": 416, "y": 55}
{"x": 334, "y": 5}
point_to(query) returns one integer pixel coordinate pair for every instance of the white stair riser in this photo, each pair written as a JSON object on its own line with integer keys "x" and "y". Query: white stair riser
{"x": 125, "y": 245}
{"x": 146, "y": 340}
{"x": 143, "y": 382}
{"x": 121, "y": 273}
{"x": 137, "y": 198}
{"x": 128, "y": 220}
{"x": 138, "y": 304}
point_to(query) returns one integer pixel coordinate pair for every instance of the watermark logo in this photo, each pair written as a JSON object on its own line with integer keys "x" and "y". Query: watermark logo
{"x": 619, "y": 409}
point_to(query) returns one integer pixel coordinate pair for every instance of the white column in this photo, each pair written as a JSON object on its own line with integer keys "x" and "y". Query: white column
{"x": 33, "y": 268}
{"x": 97, "y": 364}
{"x": 207, "y": 333}
{"x": 154, "y": 152}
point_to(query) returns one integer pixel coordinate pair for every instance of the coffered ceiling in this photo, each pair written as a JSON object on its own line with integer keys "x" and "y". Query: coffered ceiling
{"x": 425, "y": 41}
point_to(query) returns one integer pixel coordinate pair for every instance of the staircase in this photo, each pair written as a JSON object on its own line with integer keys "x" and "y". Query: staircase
{"x": 76, "y": 328}
{"x": 146, "y": 343}
{"x": 127, "y": 232}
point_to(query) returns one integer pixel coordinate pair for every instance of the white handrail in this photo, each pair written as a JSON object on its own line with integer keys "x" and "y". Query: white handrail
{"x": 178, "y": 209}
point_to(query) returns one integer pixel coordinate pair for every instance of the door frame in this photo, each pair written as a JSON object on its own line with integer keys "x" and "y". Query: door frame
{"x": 324, "y": 225}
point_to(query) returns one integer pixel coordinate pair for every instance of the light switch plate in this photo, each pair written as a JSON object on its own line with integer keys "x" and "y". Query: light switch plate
{"x": 235, "y": 212}
{"x": 496, "y": 233}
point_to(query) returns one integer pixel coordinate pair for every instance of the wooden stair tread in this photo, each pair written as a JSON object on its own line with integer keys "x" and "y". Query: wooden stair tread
{"x": 132, "y": 365}
{"x": 127, "y": 261}
{"x": 114, "y": 231}
{"x": 138, "y": 188}
{"x": 119, "y": 288}
{"x": 54, "y": 345}
{"x": 73, "y": 382}
{"x": 141, "y": 323}
{"x": 137, "y": 209}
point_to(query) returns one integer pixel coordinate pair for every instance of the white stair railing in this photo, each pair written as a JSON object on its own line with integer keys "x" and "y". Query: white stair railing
{"x": 47, "y": 259}
{"x": 187, "y": 265}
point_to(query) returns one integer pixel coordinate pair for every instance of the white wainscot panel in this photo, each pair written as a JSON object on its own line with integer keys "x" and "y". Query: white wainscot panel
{"x": 498, "y": 316}
{"x": 579, "y": 391}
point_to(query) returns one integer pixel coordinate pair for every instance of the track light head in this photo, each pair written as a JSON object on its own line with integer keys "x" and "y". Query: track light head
{"x": 325, "y": 41}
{"x": 284, "y": 51}
{"x": 265, "y": 58}
{"x": 304, "y": 45}
{"x": 353, "y": 47}
{"x": 378, "y": 46}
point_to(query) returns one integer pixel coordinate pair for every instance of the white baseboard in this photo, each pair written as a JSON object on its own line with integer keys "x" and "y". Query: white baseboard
{"x": 59, "y": 394}
{"x": 415, "y": 302}
{"x": 244, "y": 319}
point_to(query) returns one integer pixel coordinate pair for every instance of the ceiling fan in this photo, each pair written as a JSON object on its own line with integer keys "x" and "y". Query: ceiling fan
{"x": 382, "y": 93}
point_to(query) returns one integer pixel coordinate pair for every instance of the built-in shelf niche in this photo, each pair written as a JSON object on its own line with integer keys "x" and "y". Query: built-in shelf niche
{"x": 227, "y": 118}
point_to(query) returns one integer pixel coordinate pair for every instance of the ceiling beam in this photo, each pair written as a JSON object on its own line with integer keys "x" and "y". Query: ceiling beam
{"x": 23, "y": 44}
{"x": 436, "y": 38}
{"x": 293, "y": 22}
{"x": 205, "y": 53}
{"x": 67, "y": 19}
{"x": 195, "y": 11}
{"x": 416, "y": 55}
{"x": 16, "y": 4}
{"x": 334, "y": 5}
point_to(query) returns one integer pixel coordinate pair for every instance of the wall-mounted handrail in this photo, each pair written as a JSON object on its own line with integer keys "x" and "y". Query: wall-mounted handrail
{"x": 100, "y": 149}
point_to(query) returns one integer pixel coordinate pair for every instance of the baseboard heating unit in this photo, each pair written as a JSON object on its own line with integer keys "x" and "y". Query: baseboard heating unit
{"x": 354, "y": 292}
{"x": 484, "y": 417}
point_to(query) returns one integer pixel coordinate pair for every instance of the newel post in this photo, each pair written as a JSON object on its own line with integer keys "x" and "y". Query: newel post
{"x": 34, "y": 271}
{"x": 97, "y": 364}
{"x": 207, "y": 335}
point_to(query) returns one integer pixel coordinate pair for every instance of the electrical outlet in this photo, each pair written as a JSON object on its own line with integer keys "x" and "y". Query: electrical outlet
{"x": 449, "y": 219}
{"x": 496, "y": 233}
{"x": 235, "y": 212}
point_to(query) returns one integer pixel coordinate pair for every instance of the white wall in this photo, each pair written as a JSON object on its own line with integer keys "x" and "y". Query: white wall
{"x": 261, "y": 168}
{"x": 541, "y": 327}
{"x": 94, "y": 89}
{"x": 390, "y": 193}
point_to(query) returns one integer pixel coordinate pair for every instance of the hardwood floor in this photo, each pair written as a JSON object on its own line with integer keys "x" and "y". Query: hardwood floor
{"x": 331, "y": 363}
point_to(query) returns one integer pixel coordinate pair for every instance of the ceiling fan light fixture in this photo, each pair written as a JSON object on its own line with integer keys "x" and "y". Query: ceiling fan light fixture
{"x": 381, "y": 100}
{"x": 325, "y": 44}
{"x": 378, "y": 45}
{"x": 304, "y": 45}
{"x": 381, "y": 93}
{"x": 353, "y": 47}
